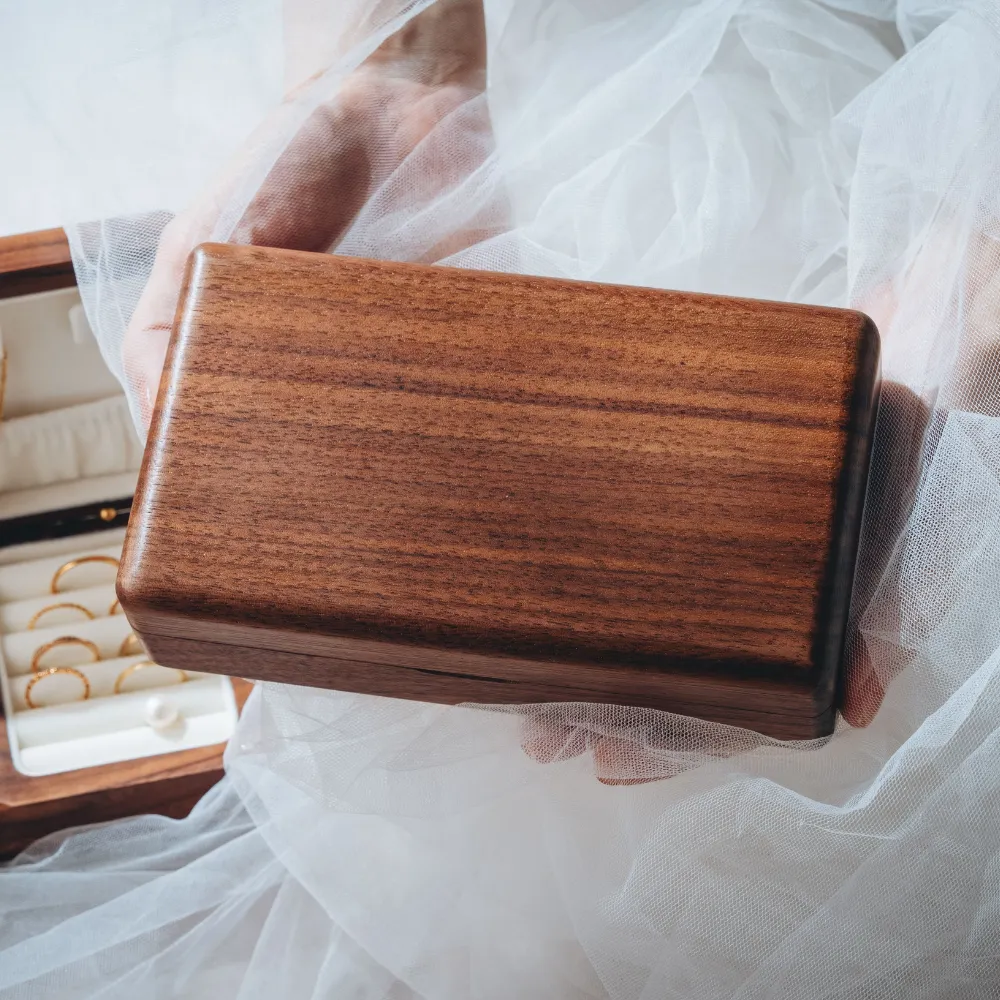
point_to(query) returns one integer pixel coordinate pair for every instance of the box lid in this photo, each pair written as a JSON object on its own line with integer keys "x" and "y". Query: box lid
{"x": 568, "y": 490}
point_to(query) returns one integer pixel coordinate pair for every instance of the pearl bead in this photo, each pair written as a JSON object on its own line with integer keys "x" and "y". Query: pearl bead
{"x": 160, "y": 713}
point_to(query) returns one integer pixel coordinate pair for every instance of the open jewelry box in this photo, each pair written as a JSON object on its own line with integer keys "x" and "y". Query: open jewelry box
{"x": 92, "y": 728}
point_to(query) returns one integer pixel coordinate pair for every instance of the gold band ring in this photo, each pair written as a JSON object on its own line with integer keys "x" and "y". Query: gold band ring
{"x": 63, "y": 640}
{"x": 131, "y": 645}
{"x": 33, "y": 621}
{"x": 50, "y": 672}
{"x": 73, "y": 563}
{"x": 141, "y": 665}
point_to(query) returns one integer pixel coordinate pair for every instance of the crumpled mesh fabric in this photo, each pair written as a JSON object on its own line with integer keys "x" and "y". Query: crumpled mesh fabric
{"x": 845, "y": 154}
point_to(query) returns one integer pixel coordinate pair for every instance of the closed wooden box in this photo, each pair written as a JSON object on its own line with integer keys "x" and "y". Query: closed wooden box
{"x": 454, "y": 486}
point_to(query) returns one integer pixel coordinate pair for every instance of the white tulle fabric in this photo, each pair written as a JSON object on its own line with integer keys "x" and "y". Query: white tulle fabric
{"x": 847, "y": 154}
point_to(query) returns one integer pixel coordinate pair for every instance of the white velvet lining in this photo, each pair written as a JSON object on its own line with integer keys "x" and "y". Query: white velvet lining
{"x": 110, "y": 540}
{"x": 15, "y": 616}
{"x": 110, "y": 719}
{"x": 68, "y": 440}
{"x": 66, "y": 733}
{"x": 50, "y": 366}
{"x": 33, "y": 577}
{"x": 107, "y": 634}
{"x": 101, "y": 676}
{"x": 92, "y": 439}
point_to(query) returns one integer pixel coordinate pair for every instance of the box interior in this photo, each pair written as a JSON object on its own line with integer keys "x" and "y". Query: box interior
{"x": 67, "y": 441}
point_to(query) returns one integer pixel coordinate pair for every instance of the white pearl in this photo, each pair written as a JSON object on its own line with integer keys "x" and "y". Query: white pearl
{"x": 160, "y": 713}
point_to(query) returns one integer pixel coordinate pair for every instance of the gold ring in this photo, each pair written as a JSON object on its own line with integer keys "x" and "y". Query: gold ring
{"x": 131, "y": 645}
{"x": 63, "y": 640}
{"x": 33, "y": 621}
{"x": 141, "y": 665}
{"x": 115, "y": 607}
{"x": 73, "y": 563}
{"x": 49, "y": 672}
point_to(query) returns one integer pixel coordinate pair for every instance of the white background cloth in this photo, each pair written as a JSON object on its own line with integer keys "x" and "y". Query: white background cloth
{"x": 844, "y": 153}
{"x": 109, "y": 109}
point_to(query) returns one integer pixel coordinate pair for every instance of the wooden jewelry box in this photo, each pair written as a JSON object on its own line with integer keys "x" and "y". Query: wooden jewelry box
{"x": 77, "y": 743}
{"x": 456, "y": 486}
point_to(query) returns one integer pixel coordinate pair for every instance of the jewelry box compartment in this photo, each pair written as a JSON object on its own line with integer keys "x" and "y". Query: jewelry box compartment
{"x": 78, "y": 690}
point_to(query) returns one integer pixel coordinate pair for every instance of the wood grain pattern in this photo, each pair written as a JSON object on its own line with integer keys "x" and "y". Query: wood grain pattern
{"x": 35, "y": 262}
{"x": 170, "y": 784}
{"x": 463, "y": 486}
